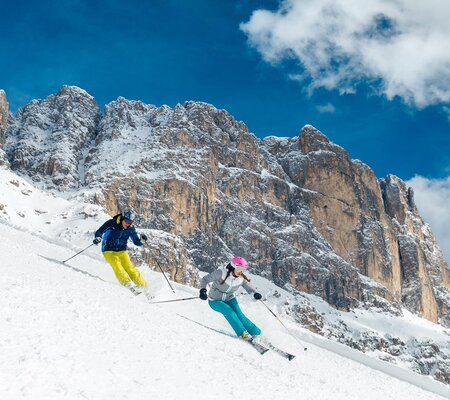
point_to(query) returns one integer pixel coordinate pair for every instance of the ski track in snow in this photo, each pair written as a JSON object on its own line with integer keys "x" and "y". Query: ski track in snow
{"x": 70, "y": 335}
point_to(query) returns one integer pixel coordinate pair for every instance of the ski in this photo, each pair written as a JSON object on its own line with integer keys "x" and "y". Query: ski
{"x": 135, "y": 290}
{"x": 257, "y": 346}
{"x": 280, "y": 352}
{"x": 59, "y": 262}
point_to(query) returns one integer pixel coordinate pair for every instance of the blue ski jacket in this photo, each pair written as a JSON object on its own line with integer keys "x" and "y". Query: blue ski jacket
{"x": 115, "y": 236}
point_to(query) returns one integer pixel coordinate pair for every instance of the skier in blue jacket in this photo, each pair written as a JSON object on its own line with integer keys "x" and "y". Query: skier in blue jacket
{"x": 115, "y": 233}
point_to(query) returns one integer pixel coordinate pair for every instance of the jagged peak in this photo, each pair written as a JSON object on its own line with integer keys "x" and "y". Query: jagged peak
{"x": 189, "y": 104}
{"x": 394, "y": 180}
{"x": 124, "y": 103}
{"x": 66, "y": 97}
{"x": 219, "y": 117}
{"x": 124, "y": 100}
{"x": 313, "y": 140}
{"x": 4, "y": 118}
{"x": 4, "y": 106}
{"x": 396, "y": 192}
{"x": 193, "y": 106}
{"x": 65, "y": 93}
{"x": 69, "y": 89}
{"x": 309, "y": 131}
{"x": 3, "y": 100}
{"x": 164, "y": 107}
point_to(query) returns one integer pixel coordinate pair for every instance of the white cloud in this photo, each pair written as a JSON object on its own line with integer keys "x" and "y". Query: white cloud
{"x": 401, "y": 46}
{"x": 326, "y": 108}
{"x": 447, "y": 111}
{"x": 433, "y": 201}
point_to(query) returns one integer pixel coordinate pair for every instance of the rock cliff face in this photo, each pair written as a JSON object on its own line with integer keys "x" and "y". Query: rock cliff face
{"x": 4, "y": 115}
{"x": 347, "y": 209}
{"x": 374, "y": 226}
{"x": 299, "y": 209}
{"x": 425, "y": 274}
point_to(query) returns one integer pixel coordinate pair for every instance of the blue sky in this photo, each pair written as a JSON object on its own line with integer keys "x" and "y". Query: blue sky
{"x": 166, "y": 52}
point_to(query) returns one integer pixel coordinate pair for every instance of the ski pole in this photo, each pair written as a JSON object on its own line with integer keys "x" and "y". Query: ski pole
{"x": 285, "y": 327}
{"x": 170, "y": 301}
{"x": 164, "y": 276}
{"x": 77, "y": 253}
{"x": 279, "y": 320}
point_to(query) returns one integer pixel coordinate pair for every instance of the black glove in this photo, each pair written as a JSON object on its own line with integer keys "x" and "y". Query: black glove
{"x": 203, "y": 294}
{"x": 257, "y": 296}
{"x": 97, "y": 240}
{"x": 144, "y": 237}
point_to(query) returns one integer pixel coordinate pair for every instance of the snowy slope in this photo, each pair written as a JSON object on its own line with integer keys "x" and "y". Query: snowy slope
{"x": 54, "y": 218}
{"x": 70, "y": 331}
{"x": 73, "y": 332}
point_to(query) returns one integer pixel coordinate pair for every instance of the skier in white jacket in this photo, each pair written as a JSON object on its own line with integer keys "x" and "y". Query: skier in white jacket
{"x": 225, "y": 282}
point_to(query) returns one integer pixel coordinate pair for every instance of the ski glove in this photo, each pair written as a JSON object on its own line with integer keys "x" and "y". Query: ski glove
{"x": 97, "y": 240}
{"x": 257, "y": 296}
{"x": 144, "y": 237}
{"x": 203, "y": 294}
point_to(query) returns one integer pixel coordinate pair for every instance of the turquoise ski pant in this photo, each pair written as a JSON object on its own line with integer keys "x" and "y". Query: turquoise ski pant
{"x": 235, "y": 317}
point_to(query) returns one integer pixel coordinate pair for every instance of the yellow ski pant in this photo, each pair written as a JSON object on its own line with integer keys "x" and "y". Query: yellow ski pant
{"x": 123, "y": 268}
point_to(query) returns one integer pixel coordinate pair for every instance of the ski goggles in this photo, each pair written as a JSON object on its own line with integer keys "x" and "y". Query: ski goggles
{"x": 239, "y": 269}
{"x": 128, "y": 221}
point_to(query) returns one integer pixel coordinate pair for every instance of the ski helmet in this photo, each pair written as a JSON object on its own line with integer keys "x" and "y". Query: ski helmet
{"x": 239, "y": 263}
{"x": 129, "y": 215}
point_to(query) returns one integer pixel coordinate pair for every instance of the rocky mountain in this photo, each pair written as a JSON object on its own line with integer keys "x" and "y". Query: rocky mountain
{"x": 305, "y": 215}
{"x": 300, "y": 209}
{"x": 47, "y": 137}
